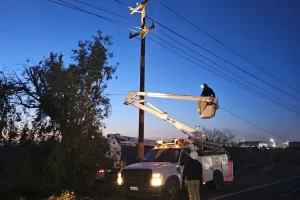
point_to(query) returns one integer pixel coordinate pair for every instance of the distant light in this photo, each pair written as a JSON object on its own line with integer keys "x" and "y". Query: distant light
{"x": 271, "y": 140}
{"x": 202, "y": 86}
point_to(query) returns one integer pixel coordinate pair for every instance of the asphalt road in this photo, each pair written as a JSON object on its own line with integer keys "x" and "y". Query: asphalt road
{"x": 287, "y": 189}
{"x": 275, "y": 184}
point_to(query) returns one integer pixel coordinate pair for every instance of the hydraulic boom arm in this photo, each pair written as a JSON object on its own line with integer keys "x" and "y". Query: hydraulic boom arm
{"x": 206, "y": 105}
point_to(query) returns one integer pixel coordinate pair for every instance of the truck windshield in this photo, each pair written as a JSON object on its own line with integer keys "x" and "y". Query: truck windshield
{"x": 162, "y": 155}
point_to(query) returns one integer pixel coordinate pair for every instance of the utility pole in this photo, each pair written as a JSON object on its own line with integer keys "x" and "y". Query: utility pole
{"x": 141, "y": 8}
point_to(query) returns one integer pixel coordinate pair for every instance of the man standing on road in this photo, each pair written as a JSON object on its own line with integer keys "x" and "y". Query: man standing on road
{"x": 192, "y": 172}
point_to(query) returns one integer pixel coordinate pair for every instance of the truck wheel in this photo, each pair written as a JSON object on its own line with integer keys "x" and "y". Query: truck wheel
{"x": 218, "y": 181}
{"x": 171, "y": 190}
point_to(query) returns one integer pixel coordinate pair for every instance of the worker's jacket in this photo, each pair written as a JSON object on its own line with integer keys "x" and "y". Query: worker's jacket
{"x": 192, "y": 170}
{"x": 207, "y": 92}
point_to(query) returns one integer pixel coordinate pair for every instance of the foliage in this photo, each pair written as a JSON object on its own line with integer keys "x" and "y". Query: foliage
{"x": 62, "y": 144}
{"x": 65, "y": 195}
{"x": 215, "y": 135}
{"x": 9, "y": 115}
{"x": 70, "y": 98}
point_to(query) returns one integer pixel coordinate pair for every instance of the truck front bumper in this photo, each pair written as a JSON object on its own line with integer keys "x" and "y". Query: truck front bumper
{"x": 137, "y": 190}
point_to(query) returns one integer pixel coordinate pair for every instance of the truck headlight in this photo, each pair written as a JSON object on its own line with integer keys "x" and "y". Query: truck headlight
{"x": 156, "y": 179}
{"x": 119, "y": 180}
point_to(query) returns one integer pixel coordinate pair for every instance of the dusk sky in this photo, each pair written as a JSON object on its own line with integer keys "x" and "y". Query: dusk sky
{"x": 266, "y": 32}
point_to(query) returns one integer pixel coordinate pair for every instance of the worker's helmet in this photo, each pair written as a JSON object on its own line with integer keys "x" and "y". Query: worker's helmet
{"x": 203, "y": 85}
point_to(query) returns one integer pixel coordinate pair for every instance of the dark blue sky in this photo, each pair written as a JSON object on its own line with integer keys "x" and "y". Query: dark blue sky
{"x": 266, "y": 32}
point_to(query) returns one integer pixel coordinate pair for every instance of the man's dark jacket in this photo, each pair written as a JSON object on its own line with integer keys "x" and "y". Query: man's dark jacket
{"x": 207, "y": 91}
{"x": 192, "y": 170}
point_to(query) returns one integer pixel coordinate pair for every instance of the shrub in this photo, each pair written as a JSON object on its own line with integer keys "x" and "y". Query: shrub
{"x": 65, "y": 195}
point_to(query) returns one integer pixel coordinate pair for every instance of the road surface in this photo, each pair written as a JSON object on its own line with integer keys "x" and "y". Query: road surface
{"x": 286, "y": 189}
{"x": 281, "y": 184}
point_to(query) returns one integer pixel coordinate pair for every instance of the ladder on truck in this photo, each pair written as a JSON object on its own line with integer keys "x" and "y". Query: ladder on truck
{"x": 206, "y": 107}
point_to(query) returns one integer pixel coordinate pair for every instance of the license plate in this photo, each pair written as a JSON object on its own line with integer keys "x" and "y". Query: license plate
{"x": 134, "y": 188}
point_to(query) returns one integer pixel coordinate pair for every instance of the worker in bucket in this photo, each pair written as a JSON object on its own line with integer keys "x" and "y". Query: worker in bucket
{"x": 192, "y": 172}
{"x": 207, "y": 91}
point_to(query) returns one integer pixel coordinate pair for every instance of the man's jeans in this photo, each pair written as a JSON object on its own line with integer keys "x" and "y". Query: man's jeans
{"x": 193, "y": 187}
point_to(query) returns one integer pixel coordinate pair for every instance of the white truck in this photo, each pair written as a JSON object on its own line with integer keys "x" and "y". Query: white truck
{"x": 160, "y": 171}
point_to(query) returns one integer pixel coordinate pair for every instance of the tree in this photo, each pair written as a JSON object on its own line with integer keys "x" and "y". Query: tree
{"x": 9, "y": 115}
{"x": 70, "y": 101}
{"x": 215, "y": 135}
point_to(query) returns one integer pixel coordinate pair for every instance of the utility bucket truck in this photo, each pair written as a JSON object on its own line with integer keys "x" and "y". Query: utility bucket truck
{"x": 160, "y": 171}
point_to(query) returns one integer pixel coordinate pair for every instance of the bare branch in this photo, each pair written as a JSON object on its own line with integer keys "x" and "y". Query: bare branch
{"x": 215, "y": 135}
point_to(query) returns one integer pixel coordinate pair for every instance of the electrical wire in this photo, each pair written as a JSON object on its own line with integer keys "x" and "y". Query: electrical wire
{"x": 239, "y": 68}
{"x": 103, "y": 10}
{"x": 220, "y": 67}
{"x": 268, "y": 98}
{"x": 178, "y": 54}
{"x": 230, "y": 79}
{"x": 72, "y": 93}
{"x": 68, "y": 5}
{"x": 275, "y": 135}
{"x": 120, "y": 2}
{"x": 232, "y": 50}
{"x": 210, "y": 52}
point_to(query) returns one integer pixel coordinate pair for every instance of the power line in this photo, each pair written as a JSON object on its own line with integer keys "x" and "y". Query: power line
{"x": 217, "y": 56}
{"x": 104, "y": 10}
{"x": 252, "y": 123}
{"x": 191, "y": 61}
{"x": 230, "y": 79}
{"x": 68, "y": 5}
{"x": 219, "y": 66}
{"x": 73, "y": 93}
{"x": 120, "y": 2}
{"x": 232, "y": 50}
{"x": 252, "y": 75}
{"x": 261, "y": 95}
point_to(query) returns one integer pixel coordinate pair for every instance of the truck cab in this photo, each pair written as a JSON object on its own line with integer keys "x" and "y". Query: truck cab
{"x": 160, "y": 171}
